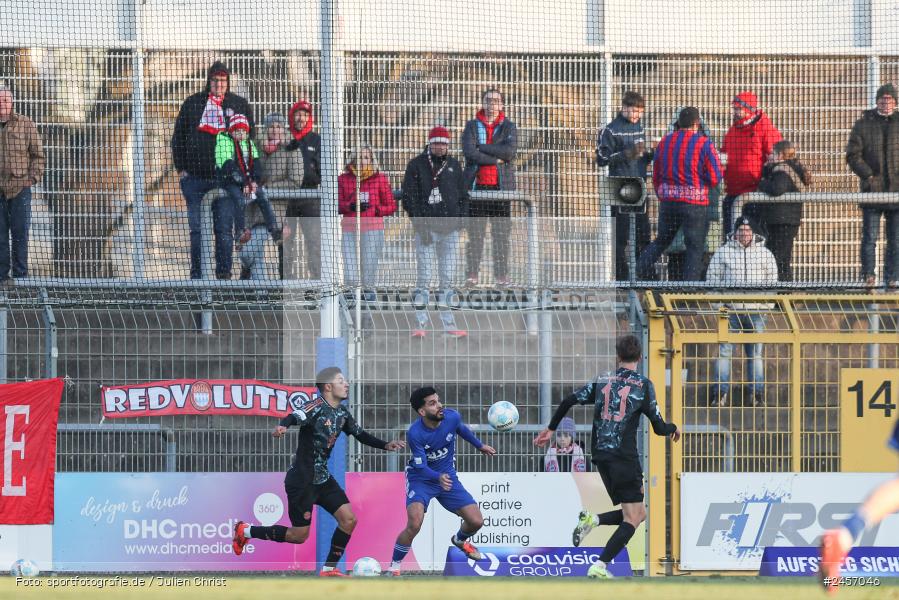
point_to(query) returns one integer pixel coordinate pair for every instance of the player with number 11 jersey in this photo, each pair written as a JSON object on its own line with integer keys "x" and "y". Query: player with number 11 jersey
{"x": 620, "y": 399}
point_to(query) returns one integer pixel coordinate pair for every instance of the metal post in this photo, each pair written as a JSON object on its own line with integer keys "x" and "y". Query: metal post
{"x": 873, "y": 78}
{"x": 4, "y": 312}
{"x": 606, "y": 245}
{"x": 331, "y": 348}
{"x": 50, "y": 347}
{"x": 206, "y": 262}
{"x": 137, "y": 152}
{"x": 534, "y": 262}
{"x": 333, "y": 78}
{"x": 545, "y": 352}
{"x": 632, "y": 247}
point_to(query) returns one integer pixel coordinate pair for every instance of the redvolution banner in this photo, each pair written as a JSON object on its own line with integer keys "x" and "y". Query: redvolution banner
{"x": 28, "y": 416}
{"x": 246, "y": 397}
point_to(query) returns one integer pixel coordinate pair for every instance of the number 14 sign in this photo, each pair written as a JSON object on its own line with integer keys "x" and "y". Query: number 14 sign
{"x": 868, "y": 412}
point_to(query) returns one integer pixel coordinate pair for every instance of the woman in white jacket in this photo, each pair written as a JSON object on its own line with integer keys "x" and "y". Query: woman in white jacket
{"x": 743, "y": 261}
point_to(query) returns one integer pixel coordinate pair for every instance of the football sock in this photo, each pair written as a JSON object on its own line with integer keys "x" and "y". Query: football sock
{"x": 399, "y": 553}
{"x": 461, "y": 536}
{"x": 619, "y": 540}
{"x": 614, "y": 517}
{"x": 274, "y": 533}
{"x": 338, "y": 544}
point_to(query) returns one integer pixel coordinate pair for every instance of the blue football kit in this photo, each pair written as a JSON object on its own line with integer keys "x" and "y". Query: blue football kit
{"x": 433, "y": 454}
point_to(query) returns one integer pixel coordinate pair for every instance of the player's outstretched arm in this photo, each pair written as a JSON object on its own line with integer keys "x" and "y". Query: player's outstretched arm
{"x": 468, "y": 435}
{"x": 284, "y": 423}
{"x": 544, "y": 437}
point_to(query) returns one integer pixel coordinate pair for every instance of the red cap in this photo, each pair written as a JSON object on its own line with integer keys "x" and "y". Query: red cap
{"x": 439, "y": 135}
{"x": 304, "y": 105}
{"x": 238, "y": 121}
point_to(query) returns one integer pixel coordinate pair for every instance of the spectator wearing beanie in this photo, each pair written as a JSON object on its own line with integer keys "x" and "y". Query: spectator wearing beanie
{"x": 873, "y": 155}
{"x": 747, "y": 145}
{"x": 565, "y": 455}
{"x": 436, "y": 199}
{"x": 743, "y": 261}
{"x": 201, "y": 118}
{"x": 489, "y": 143}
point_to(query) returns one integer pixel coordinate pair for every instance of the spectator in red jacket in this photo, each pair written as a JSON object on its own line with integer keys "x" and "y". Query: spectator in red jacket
{"x": 747, "y": 144}
{"x": 373, "y": 203}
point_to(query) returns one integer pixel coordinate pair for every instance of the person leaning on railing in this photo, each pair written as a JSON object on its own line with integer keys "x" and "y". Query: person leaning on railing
{"x": 779, "y": 222}
{"x": 873, "y": 154}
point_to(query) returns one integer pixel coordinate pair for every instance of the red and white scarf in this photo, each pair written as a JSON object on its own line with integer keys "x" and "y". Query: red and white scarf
{"x": 213, "y": 119}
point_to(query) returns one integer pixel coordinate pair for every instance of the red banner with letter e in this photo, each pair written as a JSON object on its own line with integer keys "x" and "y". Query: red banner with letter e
{"x": 28, "y": 416}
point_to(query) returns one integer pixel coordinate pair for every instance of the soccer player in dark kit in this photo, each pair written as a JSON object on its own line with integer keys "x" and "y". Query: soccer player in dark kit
{"x": 308, "y": 481}
{"x": 431, "y": 474}
{"x": 619, "y": 400}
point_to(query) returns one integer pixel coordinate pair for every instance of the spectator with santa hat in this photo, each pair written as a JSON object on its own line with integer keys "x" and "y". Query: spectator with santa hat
{"x": 435, "y": 198}
{"x": 747, "y": 145}
{"x": 201, "y": 118}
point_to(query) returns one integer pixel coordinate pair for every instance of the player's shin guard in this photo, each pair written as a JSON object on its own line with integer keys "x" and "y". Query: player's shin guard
{"x": 274, "y": 533}
{"x": 339, "y": 541}
{"x": 613, "y": 517}
{"x": 619, "y": 540}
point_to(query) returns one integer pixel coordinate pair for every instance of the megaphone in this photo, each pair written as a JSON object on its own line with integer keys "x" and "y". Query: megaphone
{"x": 627, "y": 193}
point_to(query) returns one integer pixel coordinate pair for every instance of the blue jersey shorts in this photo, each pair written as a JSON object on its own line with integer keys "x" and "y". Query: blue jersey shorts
{"x": 422, "y": 490}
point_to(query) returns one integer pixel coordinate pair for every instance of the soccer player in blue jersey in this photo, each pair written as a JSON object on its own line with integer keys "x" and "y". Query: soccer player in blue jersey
{"x": 308, "y": 482}
{"x": 620, "y": 399}
{"x": 836, "y": 543}
{"x": 431, "y": 473}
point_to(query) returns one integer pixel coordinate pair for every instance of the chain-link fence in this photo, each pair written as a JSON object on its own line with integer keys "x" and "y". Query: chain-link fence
{"x": 531, "y": 355}
{"x": 111, "y": 204}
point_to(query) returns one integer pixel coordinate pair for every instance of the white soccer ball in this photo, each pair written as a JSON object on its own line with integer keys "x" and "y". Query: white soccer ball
{"x": 366, "y": 567}
{"x": 502, "y": 416}
{"x": 24, "y": 568}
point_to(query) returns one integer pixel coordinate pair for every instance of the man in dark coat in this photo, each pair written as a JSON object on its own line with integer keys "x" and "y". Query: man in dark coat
{"x": 202, "y": 117}
{"x": 435, "y": 197}
{"x": 873, "y": 154}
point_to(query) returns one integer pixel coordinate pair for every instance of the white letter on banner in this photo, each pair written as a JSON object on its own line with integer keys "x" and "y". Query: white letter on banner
{"x": 115, "y": 400}
{"x": 218, "y": 397}
{"x": 179, "y": 392}
{"x": 9, "y": 446}
{"x": 159, "y": 398}
{"x": 237, "y": 396}
{"x": 265, "y": 396}
{"x": 136, "y": 398}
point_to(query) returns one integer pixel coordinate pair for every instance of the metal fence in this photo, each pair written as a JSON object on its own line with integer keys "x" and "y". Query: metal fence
{"x": 129, "y": 336}
{"x": 793, "y": 424}
{"x": 110, "y": 204}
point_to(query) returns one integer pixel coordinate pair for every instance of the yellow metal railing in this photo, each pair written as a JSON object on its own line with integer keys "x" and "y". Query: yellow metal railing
{"x": 793, "y": 425}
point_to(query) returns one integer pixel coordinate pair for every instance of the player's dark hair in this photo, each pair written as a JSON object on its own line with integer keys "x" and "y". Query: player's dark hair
{"x": 632, "y": 98}
{"x": 628, "y": 348}
{"x": 417, "y": 399}
{"x": 325, "y": 376}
